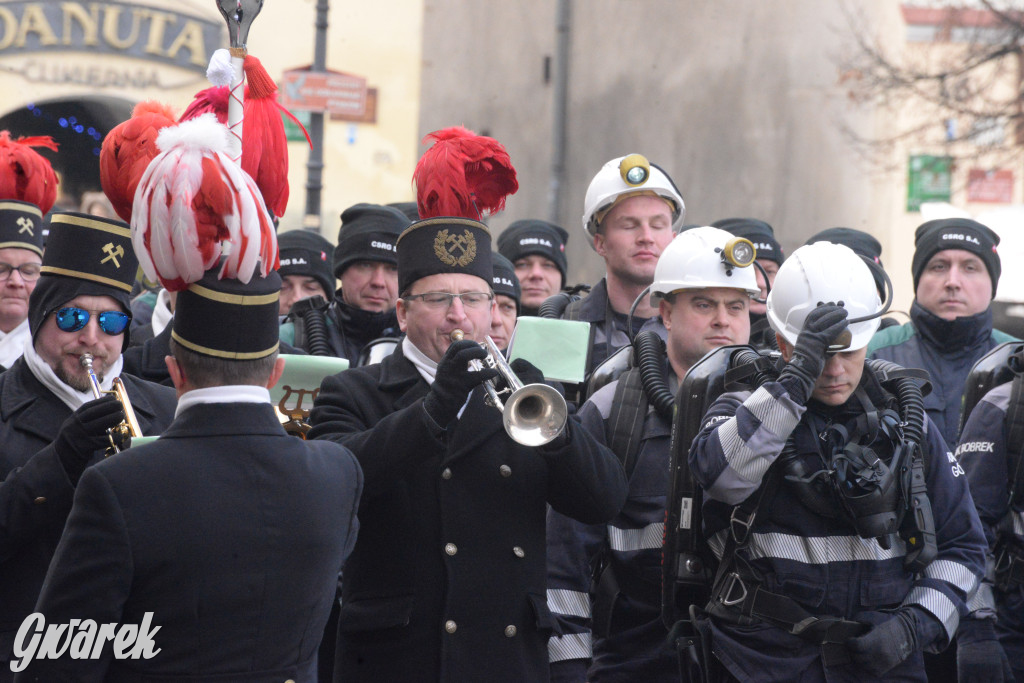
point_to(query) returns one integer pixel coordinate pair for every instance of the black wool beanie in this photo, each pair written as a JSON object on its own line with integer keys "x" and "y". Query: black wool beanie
{"x": 956, "y": 233}
{"x": 862, "y": 243}
{"x": 369, "y": 232}
{"x": 505, "y": 280}
{"x": 307, "y": 254}
{"x": 535, "y": 237}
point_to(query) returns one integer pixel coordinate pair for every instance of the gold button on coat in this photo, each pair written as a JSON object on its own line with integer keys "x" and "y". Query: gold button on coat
{"x": 510, "y": 631}
{"x": 451, "y": 548}
{"x": 450, "y": 626}
{"x": 519, "y": 552}
{"x": 446, "y": 474}
{"x": 505, "y": 470}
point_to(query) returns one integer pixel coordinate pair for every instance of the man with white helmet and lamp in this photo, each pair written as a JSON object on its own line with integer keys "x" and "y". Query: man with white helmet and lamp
{"x": 631, "y": 212}
{"x": 847, "y": 541}
{"x": 702, "y": 292}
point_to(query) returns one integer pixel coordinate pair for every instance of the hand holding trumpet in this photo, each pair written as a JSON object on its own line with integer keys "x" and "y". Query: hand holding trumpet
{"x": 455, "y": 379}
{"x": 85, "y": 431}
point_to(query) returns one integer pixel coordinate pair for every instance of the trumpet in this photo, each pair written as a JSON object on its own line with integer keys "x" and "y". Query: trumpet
{"x": 121, "y": 434}
{"x": 533, "y": 414}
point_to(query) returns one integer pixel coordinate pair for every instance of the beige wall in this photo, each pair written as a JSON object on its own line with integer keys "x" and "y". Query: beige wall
{"x": 381, "y": 42}
{"x": 737, "y": 99}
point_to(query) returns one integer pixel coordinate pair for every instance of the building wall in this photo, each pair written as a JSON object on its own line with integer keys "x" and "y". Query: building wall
{"x": 738, "y": 100}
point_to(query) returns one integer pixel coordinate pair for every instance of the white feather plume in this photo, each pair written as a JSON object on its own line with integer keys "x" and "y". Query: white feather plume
{"x": 220, "y": 72}
{"x": 193, "y": 176}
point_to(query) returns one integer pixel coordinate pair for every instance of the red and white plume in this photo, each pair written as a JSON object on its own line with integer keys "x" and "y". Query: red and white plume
{"x": 127, "y": 150}
{"x": 194, "y": 204}
{"x": 264, "y": 143}
{"x": 463, "y": 174}
{"x": 25, "y": 174}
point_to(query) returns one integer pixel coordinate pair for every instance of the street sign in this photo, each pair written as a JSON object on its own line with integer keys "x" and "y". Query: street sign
{"x": 324, "y": 92}
{"x": 993, "y": 186}
{"x": 929, "y": 180}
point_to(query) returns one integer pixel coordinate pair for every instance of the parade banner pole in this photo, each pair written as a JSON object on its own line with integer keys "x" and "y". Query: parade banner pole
{"x": 239, "y": 15}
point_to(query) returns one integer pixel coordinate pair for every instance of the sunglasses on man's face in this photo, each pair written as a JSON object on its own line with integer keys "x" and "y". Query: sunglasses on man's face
{"x": 72, "y": 319}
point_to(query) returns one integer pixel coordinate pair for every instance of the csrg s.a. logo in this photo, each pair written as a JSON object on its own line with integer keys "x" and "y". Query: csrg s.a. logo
{"x": 455, "y": 250}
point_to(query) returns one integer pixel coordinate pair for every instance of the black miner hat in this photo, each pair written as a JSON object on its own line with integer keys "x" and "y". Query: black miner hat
{"x": 21, "y": 226}
{"x": 444, "y": 245}
{"x": 227, "y": 318}
{"x": 85, "y": 255}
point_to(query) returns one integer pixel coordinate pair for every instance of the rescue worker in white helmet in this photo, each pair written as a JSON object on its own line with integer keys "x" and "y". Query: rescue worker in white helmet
{"x": 824, "y": 573}
{"x": 631, "y": 212}
{"x": 703, "y": 301}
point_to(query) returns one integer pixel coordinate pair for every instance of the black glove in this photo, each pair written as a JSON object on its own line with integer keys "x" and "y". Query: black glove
{"x": 821, "y": 327}
{"x": 84, "y": 432}
{"x": 887, "y": 644}
{"x": 979, "y": 655}
{"x": 454, "y": 380}
{"x": 527, "y": 372}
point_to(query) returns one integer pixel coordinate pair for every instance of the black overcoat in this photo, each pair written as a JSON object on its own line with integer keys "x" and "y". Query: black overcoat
{"x": 35, "y": 492}
{"x": 229, "y": 531}
{"x": 448, "y": 577}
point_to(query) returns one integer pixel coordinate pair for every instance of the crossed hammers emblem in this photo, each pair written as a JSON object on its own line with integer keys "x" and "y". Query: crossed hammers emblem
{"x": 113, "y": 253}
{"x": 458, "y": 242}
{"x": 26, "y": 225}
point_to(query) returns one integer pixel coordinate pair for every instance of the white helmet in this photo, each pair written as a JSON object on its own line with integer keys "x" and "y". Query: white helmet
{"x": 701, "y": 258}
{"x": 625, "y": 177}
{"x": 820, "y": 273}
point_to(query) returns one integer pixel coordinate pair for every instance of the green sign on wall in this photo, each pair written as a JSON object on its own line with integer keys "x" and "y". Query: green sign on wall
{"x": 292, "y": 132}
{"x": 929, "y": 180}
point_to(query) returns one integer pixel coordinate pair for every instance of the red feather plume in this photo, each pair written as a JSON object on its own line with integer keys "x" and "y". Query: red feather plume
{"x": 25, "y": 174}
{"x": 194, "y": 205}
{"x": 264, "y": 143}
{"x": 463, "y": 174}
{"x": 127, "y": 150}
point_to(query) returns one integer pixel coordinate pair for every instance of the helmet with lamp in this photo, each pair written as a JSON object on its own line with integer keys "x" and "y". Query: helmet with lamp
{"x": 625, "y": 177}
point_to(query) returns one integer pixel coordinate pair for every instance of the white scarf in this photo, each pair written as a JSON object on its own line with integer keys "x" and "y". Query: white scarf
{"x": 426, "y": 367}
{"x": 12, "y": 344}
{"x": 162, "y": 313}
{"x": 68, "y": 395}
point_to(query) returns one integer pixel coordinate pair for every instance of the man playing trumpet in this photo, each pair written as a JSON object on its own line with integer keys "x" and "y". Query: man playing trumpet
{"x": 51, "y": 425}
{"x": 447, "y": 578}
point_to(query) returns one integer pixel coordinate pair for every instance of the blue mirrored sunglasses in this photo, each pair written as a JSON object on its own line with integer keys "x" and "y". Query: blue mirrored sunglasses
{"x": 72, "y": 319}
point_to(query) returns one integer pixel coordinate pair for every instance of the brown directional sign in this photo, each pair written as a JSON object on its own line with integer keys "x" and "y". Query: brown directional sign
{"x": 326, "y": 92}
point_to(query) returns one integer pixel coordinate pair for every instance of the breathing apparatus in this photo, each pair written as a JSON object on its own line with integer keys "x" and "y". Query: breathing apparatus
{"x": 871, "y": 474}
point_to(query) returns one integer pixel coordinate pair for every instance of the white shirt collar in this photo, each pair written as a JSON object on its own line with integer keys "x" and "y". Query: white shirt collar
{"x": 234, "y": 393}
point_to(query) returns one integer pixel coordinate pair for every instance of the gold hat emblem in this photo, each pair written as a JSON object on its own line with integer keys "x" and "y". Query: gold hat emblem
{"x": 455, "y": 250}
{"x": 112, "y": 254}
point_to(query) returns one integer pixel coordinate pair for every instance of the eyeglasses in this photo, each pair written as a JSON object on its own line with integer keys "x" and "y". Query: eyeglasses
{"x": 443, "y": 300}
{"x": 72, "y": 319}
{"x": 29, "y": 271}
